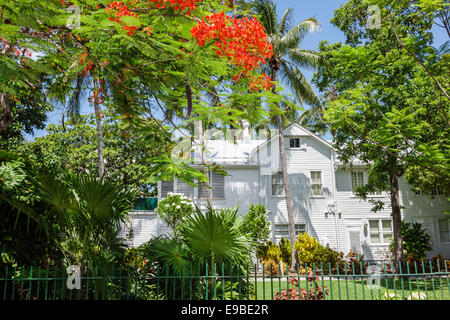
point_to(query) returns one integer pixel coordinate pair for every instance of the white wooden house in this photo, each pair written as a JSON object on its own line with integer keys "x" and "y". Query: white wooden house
{"x": 322, "y": 193}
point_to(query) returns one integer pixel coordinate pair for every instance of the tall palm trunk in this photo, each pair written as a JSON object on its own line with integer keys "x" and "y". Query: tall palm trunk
{"x": 287, "y": 191}
{"x": 98, "y": 121}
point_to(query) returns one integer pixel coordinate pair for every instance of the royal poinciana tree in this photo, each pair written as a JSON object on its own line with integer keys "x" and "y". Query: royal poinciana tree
{"x": 151, "y": 57}
{"x": 385, "y": 108}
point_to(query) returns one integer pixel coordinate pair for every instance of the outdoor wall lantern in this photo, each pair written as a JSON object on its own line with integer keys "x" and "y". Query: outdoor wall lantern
{"x": 332, "y": 209}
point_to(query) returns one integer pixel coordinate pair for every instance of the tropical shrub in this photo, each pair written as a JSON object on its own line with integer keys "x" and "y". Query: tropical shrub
{"x": 273, "y": 253}
{"x": 173, "y": 209}
{"x": 286, "y": 250}
{"x": 271, "y": 267}
{"x": 355, "y": 263}
{"x": 255, "y": 224}
{"x": 208, "y": 242}
{"x": 314, "y": 291}
{"x": 307, "y": 248}
{"x": 311, "y": 252}
{"x": 416, "y": 242}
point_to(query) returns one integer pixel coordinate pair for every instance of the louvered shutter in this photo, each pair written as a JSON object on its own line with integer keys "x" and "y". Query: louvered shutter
{"x": 166, "y": 187}
{"x": 185, "y": 189}
{"x": 218, "y": 185}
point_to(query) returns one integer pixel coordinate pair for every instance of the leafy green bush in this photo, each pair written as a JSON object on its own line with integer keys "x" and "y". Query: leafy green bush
{"x": 286, "y": 250}
{"x": 173, "y": 209}
{"x": 255, "y": 224}
{"x": 416, "y": 241}
{"x": 207, "y": 242}
{"x": 310, "y": 251}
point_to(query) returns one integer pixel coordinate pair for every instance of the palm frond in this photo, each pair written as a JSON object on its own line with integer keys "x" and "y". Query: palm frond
{"x": 303, "y": 58}
{"x": 267, "y": 13}
{"x": 284, "y": 24}
{"x": 297, "y": 81}
{"x": 296, "y": 35}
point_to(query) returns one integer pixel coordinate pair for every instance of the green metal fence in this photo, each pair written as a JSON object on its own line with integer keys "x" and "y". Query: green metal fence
{"x": 355, "y": 281}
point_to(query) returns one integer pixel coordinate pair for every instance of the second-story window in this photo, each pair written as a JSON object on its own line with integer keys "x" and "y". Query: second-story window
{"x": 277, "y": 184}
{"x": 357, "y": 179}
{"x": 316, "y": 183}
{"x": 294, "y": 143}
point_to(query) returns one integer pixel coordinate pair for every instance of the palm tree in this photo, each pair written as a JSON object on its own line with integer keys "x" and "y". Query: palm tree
{"x": 285, "y": 63}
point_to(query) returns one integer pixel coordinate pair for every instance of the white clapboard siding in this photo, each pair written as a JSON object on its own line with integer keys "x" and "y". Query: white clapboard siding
{"x": 145, "y": 226}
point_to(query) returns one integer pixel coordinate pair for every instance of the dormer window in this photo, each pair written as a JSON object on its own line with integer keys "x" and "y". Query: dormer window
{"x": 294, "y": 143}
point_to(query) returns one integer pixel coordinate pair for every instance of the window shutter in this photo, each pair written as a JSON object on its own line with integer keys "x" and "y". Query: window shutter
{"x": 185, "y": 189}
{"x": 166, "y": 187}
{"x": 218, "y": 185}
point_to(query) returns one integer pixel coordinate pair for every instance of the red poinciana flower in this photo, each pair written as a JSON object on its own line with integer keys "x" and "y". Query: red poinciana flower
{"x": 180, "y": 5}
{"x": 242, "y": 40}
{"x": 262, "y": 82}
{"x": 118, "y": 10}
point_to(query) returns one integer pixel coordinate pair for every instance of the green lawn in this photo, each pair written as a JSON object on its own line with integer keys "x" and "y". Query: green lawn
{"x": 432, "y": 289}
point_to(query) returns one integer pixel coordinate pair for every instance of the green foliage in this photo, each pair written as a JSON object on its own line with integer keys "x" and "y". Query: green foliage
{"x": 207, "y": 240}
{"x": 255, "y": 224}
{"x": 379, "y": 102}
{"x": 173, "y": 209}
{"x": 127, "y": 148}
{"x": 215, "y": 237}
{"x": 416, "y": 241}
{"x": 310, "y": 252}
{"x": 286, "y": 250}
{"x": 11, "y": 175}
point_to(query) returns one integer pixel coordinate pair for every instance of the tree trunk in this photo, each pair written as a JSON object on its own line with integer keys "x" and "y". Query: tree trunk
{"x": 205, "y": 168}
{"x": 98, "y": 121}
{"x": 5, "y": 114}
{"x": 287, "y": 191}
{"x": 396, "y": 220}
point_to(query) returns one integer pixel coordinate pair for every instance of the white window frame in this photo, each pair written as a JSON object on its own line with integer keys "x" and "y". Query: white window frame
{"x": 439, "y": 230}
{"x": 357, "y": 172}
{"x": 321, "y": 184}
{"x": 299, "y": 143}
{"x": 298, "y": 230}
{"x": 271, "y": 184}
{"x": 378, "y": 194}
{"x": 380, "y": 232}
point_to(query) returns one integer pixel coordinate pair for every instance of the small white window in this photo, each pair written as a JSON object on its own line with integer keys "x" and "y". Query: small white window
{"x": 357, "y": 179}
{"x": 277, "y": 184}
{"x": 282, "y": 231}
{"x": 294, "y": 143}
{"x": 316, "y": 183}
{"x": 380, "y": 231}
{"x": 444, "y": 230}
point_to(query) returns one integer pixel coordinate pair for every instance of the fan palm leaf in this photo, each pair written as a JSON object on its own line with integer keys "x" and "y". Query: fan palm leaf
{"x": 215, "y": 237}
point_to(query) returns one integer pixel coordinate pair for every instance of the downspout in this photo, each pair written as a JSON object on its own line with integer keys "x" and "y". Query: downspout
{"x": 336, "y": 221}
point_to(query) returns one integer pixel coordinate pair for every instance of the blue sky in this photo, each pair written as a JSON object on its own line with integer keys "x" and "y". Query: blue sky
{"x": 322, "y": 10}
